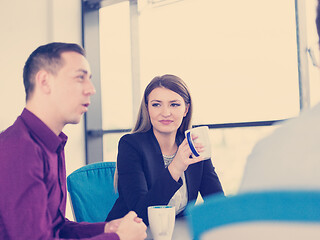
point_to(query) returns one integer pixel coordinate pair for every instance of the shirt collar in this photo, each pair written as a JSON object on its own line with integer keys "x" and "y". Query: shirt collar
{"x": 43, "y": 132}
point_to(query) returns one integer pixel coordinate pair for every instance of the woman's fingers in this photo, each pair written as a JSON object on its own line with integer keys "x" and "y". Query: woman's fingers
{"x": 182, "y": 159}
{"x": 196, "y": 159}
{"x": 198, "y": 146}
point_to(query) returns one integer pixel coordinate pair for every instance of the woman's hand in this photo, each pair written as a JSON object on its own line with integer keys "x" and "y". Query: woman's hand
{"x": 182, "y": 159}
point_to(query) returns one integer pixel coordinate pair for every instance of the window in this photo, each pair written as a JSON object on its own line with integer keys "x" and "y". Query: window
{"x": 115, "y": 66}
{"x": 239, "y": 59}
{"x": 116, "y": 85}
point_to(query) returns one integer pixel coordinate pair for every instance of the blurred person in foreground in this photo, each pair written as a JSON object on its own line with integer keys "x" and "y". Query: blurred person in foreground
{"x": 57, "y": 80}
{"x": 289, "y": 158}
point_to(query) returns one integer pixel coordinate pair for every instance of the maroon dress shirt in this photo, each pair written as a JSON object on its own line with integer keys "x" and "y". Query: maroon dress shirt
{"x": 33, "y": 185}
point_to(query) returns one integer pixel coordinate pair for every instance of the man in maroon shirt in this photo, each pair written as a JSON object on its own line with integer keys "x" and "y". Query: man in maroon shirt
{"x": 57, "y": 79}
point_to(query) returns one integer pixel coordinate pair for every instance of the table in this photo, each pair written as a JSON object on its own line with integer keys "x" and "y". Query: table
{"x": 181, "y": 231}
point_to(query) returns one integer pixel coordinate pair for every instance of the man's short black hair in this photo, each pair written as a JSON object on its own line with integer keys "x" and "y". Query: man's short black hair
{"x": 46, "y": 57}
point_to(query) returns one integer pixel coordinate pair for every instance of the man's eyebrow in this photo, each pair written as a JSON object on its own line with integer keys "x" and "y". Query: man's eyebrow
{"x": 84, "y": 71}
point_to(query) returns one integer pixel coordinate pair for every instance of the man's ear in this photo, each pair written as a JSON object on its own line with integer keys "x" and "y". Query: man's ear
{"x": 42, "y": 81}
{"x": 186, "y": 111}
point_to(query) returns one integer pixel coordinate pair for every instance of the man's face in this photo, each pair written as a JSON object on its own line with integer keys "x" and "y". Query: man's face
{"x": 71, "y": 89}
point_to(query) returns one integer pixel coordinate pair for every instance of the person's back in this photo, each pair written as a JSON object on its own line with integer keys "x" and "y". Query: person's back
{"x": 287, "y": 159}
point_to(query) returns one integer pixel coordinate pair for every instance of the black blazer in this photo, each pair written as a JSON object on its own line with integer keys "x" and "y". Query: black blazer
{"x": 145, "y": 181}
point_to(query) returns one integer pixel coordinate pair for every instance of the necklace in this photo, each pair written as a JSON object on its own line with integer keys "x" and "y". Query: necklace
{"x": 168, "y": 158}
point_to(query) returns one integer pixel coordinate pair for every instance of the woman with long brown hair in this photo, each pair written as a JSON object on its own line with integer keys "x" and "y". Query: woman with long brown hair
{"x": 154, "y": 166}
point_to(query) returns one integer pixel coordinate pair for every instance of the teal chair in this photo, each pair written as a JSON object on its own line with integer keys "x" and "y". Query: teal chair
{"x": 91, "y": 191}
{"x": 257, "y": 215}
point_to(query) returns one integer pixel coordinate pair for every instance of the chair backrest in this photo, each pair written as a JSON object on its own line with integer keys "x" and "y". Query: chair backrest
{"x": 91, "y": 191}
{"x": 258, "y": 215}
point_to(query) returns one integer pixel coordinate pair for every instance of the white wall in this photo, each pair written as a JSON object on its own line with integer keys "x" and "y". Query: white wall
{"x": 25, "y": 25}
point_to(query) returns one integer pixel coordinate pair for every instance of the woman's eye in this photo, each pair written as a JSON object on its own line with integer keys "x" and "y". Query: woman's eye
{"x": 155, "y": 105}
{"x": 175, "y": 104}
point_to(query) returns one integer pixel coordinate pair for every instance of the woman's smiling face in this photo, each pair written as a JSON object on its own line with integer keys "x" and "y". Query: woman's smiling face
{"x": 166, "y": 110}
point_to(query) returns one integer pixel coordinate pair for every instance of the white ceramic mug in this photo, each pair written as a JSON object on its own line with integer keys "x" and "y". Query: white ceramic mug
{"x": 203, "y": 137}
{"x": 161, "y": 221}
